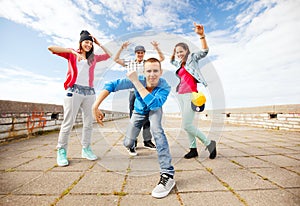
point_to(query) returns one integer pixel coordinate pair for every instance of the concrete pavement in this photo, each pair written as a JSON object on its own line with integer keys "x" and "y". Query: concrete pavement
{"x": 254, "y": 166}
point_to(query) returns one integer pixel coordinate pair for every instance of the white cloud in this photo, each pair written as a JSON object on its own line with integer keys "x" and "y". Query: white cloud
{"x": 60, "y": 19}
{"x": 260, "y": 62}
{"x": 26, "y": 86}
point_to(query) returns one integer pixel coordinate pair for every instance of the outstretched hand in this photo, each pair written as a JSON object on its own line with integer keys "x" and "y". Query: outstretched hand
{"x": 199, "y": 29}
{"x": 132, "y": 75}
{"x": 98, "y": 115}
{"x": 154, "y": 44}
{"x": 79, "y": 57}
{"x": 125, "y": 44}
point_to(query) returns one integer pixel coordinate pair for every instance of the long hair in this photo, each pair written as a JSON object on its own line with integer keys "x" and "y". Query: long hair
{"x": 88, "y": 55}
{"x": 186, "y": 48}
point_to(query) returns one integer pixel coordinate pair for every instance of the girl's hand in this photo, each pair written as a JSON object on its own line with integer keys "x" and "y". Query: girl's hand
{"x": 78, "y": 56}
{"x": 95, "y": 40}
{"x": 199, "y": 29}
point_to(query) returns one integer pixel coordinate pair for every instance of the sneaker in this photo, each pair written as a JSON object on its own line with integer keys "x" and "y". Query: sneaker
{"x": 88, "y": 154}
{"x": 135, "y": 143}
{"x": 149, "y": 145}
{"x": 164, "y": 187}
{"x": 212, "y": 149}
{"x": 62, "y": 157}
{"x": 192, "y": 153}
{"x": 132, "y": 151}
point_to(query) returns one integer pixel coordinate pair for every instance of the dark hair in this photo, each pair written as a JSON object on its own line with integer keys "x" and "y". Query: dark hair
{"x": 88, "y": 55}
{"x": 85, "y": 35}
{"x": 153, "y": 60}
{"x": 185, "y": 47}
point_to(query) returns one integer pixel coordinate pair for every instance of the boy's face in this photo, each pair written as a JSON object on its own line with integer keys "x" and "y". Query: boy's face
{"x": 152, "y": 72}
{"x": 139, "y": 55}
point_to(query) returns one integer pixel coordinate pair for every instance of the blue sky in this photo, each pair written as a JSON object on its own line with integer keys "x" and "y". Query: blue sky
{"x": 254, "y": 57}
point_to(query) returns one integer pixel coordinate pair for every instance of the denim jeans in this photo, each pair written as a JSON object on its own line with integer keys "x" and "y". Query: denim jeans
{"x": 162, "y": 145}
{"x": 146, "y": 126}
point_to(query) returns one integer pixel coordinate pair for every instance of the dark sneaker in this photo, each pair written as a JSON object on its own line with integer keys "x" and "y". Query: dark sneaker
{"x": 135, "y": 143}
{"x": 212, "y": 149}
{"x": 164, "y": 187}
{"x": 149, "y": 145}
{"x": 192, "y": 153}
{"x": 132, "y": 151}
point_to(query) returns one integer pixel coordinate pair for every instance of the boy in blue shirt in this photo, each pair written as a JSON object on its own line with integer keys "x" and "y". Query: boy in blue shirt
{"x": 151, "y": 93}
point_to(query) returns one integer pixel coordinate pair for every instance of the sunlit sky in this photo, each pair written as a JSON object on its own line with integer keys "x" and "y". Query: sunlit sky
{"x": 254, "y": 45}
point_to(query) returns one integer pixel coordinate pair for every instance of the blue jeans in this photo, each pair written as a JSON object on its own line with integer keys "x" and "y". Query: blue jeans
{"x": 162, "y": 145}
{"x": 146, "y": 126}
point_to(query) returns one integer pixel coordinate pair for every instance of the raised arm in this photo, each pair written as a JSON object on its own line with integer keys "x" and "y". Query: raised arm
{"x": 117, "y": 57}
{"x": 199, "y": 29}
{"x": 58, "y": 50}
{"x": 160, "y": 54}
{"x": 97, "y": 112}
{"x": 101, "y": 46}
{"x": 133, "y": 77}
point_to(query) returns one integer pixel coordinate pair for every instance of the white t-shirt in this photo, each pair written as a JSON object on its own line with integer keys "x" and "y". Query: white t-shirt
{"x": 83, "y": 73}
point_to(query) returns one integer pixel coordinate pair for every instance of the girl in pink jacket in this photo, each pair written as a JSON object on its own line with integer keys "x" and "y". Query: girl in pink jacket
{"x": 79, "y": 93}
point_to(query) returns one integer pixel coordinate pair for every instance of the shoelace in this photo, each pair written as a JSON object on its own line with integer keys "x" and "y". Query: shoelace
{"x": 163, "y": 180}
{"x": 62, "y": 152}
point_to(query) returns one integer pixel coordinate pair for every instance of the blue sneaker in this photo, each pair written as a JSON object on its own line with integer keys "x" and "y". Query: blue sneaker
{"x": 62, "y": 157}
{"x": 88, "y": 154}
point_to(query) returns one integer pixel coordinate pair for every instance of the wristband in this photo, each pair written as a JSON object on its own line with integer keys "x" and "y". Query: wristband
{"x": 202, "y": 37}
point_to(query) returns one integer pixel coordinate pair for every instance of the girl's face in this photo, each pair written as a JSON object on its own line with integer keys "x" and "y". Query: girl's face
{"x": 180, "y": 52}
{"x": 86, "y": 45}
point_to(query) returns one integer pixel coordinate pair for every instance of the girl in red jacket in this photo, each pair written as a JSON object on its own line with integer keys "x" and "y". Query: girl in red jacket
{"x": 79, "y": 93}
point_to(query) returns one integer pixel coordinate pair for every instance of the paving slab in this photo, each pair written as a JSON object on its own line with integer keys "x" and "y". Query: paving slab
{"x": 254, "y": 166}
{"x": 276, "y": 197}
{"x": 224, "y": 198}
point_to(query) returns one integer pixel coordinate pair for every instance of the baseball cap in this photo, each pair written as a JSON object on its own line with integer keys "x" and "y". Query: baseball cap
{"x": 139, "y": 48}
{"x": 198, "y": 98}
{"x": 197, "y": 108}
{"x": 198, "y": 101}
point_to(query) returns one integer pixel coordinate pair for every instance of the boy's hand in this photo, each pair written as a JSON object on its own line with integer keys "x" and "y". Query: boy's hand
{"x": 132, "y": 75}
{"x": 98, "y": 115}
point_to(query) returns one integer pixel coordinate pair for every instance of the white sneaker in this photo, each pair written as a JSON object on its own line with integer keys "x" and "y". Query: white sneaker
{"x": 164, "y": 187}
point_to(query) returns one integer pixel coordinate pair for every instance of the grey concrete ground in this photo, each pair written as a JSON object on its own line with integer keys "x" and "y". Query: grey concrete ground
{"x": 254, "y": 166}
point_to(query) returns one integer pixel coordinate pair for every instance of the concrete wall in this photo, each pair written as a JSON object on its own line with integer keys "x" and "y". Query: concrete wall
{"x": 279, "y": 117}
{"x": 24, "y": 119}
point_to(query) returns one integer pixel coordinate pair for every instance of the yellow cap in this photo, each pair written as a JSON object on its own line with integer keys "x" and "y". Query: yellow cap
{"x": 198, "y": 98}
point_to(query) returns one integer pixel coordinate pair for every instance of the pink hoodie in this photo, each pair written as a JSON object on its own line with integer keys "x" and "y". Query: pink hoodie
{"x": 72, "y": 68}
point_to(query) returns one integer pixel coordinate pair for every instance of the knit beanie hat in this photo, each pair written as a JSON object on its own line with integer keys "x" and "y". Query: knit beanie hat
{"x": 85, "y": 35}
